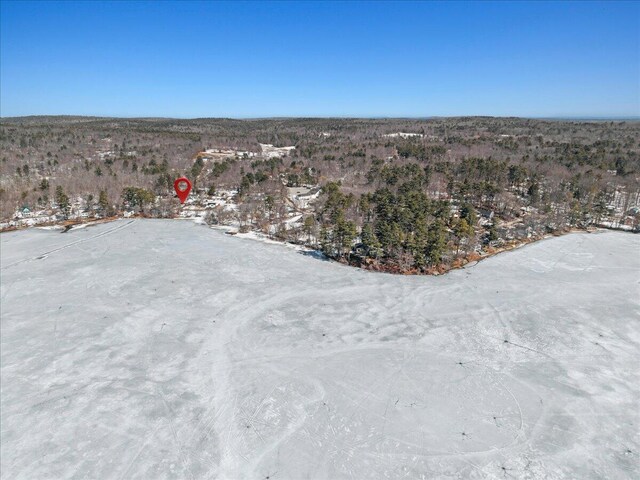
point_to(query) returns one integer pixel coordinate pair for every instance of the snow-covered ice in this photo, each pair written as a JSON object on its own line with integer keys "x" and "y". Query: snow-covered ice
{"x": 163, "y": 349}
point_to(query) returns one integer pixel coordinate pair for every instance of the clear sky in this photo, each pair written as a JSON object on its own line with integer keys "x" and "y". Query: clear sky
{"x": 201, "y": 59}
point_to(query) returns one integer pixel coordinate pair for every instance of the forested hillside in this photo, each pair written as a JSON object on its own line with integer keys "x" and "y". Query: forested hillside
{"x": 401, "y": 195}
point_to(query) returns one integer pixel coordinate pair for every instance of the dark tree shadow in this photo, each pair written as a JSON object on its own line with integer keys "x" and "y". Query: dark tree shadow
{"x": 317, "y": 254}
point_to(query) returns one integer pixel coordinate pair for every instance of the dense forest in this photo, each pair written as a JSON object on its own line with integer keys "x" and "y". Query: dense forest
{"x": 400, "y": 195}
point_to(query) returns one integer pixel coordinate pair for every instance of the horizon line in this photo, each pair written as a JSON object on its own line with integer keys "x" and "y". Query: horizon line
{"x": 327, "y": 117}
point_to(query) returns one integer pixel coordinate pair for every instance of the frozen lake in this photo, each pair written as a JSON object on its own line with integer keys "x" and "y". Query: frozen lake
{"x": 163, "y": 349}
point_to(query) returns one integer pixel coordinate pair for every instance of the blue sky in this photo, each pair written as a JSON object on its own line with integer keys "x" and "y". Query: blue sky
{"x": 201, "y": 59}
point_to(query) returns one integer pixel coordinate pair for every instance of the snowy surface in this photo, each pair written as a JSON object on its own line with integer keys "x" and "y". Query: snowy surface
{"x": 403, "y": 135}
{"x": 269, "y": 151}
{"x": 163, "y": 349}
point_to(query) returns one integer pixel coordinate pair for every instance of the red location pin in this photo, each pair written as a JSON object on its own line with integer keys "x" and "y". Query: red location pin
{"x": 182, "y": 187}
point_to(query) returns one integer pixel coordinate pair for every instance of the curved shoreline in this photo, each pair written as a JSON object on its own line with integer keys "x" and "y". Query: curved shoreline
{"x": 466, "y": 261}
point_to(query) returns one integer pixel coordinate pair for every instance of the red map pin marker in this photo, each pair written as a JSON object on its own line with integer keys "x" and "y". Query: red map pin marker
{"x": 182, "y": 187}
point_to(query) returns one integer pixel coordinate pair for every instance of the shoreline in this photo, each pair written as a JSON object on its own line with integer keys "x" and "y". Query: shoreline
{"x": 467, "y": 261}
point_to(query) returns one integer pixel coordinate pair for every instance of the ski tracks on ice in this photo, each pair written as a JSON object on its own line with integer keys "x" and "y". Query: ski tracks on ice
{"x": 44, "y": 255}
{"x": 227, "y": 426}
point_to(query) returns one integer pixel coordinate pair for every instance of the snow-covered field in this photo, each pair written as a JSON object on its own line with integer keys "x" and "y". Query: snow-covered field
{"x": 164, "y": 349}
{"x": 269, "y": 151}
{"x": 403, "y": 135}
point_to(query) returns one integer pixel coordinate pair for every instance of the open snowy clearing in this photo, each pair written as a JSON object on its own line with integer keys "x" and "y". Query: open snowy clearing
{"x": 162, "y": 349}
